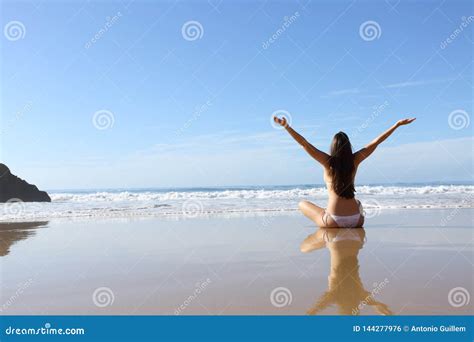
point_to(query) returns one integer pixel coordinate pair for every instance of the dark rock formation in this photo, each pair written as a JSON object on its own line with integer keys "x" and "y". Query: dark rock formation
{"x": 13, "y": 187}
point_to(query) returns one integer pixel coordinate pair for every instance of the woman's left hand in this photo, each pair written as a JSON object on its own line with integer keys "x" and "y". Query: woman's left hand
{"x": 405, "y": 122}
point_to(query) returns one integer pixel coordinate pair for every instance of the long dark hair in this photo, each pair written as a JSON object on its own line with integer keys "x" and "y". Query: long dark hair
{"x": 341, "y": 166}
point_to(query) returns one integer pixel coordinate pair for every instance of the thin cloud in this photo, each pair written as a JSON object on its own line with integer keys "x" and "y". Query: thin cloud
{"x": 399, "y": 85}
{"x": 415, "y": 83}
{"x": 350, "y": 91}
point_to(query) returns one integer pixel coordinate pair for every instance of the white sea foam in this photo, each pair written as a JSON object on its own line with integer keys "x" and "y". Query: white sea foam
{"x": 213, "y": 201}
{"x": 256, "y": 193}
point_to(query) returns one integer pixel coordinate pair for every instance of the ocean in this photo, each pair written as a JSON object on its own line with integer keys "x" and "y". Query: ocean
{"x": 193, "y": 202}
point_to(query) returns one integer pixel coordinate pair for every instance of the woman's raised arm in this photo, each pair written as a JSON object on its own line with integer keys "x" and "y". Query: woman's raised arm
{"x": 365, "y": 152}
{"x": 320, "y": 156}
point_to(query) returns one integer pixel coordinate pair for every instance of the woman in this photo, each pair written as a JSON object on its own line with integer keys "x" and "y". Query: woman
{"x": 340, "y": 168}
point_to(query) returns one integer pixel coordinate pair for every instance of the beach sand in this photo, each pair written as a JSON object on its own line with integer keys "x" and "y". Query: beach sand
{"x": 250, "y": 265}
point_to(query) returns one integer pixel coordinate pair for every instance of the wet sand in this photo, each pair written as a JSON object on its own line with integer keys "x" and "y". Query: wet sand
{"x": 250, "y": 265}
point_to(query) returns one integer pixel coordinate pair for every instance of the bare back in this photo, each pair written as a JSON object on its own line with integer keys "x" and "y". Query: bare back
{"x": 339, "y": 205}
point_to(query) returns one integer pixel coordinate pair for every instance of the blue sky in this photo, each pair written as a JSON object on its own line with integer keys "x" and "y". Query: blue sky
{"x": 197, "y": 112}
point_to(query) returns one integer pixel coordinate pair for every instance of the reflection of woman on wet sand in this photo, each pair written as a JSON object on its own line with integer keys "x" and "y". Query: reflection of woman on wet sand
{"x": 345, "y": 288}
{"x": 340, "y": 168}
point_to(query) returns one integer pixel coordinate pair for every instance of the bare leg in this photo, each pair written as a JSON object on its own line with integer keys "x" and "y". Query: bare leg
{"x": 315, "y": 213}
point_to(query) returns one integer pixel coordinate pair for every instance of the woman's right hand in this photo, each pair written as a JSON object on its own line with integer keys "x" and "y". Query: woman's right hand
{"x": 405, "y": 122}
{"x": 282, "y": 122}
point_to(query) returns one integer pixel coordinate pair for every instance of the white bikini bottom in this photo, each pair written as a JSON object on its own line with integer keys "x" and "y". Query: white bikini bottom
{"x": 350, "y": 221}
